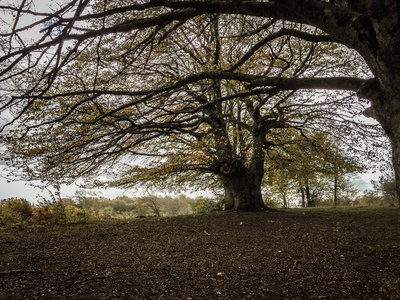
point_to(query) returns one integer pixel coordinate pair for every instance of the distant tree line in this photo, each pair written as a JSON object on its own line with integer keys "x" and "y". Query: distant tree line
{"x": 83, "y": 208}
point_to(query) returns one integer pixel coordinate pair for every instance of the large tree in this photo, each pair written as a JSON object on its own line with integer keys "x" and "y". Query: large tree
{"x": 197, "y": 86}
{"x": 312, "y": 165}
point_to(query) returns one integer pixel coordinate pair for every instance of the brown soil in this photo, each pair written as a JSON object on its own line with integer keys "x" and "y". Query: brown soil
{"x": 295, "y": 254}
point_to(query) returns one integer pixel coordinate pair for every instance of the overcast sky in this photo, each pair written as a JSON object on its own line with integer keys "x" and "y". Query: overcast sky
{"x": 24, "y": 189}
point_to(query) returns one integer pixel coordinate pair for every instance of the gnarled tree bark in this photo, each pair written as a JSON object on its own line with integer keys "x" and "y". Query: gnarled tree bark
{"x": 242, "y": 187}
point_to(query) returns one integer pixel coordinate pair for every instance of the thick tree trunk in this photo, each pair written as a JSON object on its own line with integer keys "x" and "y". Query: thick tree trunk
{"x": 380, "y": 51}
{"x": 335, "y": 189}
{"x": 396, "y": 165}
{"x": 310, "y": 200}
{"x": 303, "y": 197}
{"x": 243, "y": 188}
{"x": 285, "y": 204}
{"x": 307, "y": 193}
{"x": 394, "y": 136}
{"x": 387, "y": 112}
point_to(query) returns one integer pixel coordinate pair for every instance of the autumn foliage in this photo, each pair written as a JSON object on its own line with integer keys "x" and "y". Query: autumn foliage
{"x": 83, "y": 209}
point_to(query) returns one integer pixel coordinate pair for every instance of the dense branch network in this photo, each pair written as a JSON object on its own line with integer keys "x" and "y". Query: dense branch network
{"x": 196, "y": 87}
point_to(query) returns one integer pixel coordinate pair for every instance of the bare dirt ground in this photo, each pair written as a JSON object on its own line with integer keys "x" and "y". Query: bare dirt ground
{"x": 292, "y": 254}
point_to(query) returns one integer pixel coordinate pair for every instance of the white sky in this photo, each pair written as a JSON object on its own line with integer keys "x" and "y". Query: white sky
{"x": 27, "y": 190}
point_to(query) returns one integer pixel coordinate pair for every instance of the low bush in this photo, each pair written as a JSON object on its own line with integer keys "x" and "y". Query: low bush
{"x": 84, "y": 209}
{"x": 60, "y": 212}
{"x": 205, "y": 205}
{"x": 15, "y": 211}
{"x": 390, "y": 290}
{"x": 43, "y": 215}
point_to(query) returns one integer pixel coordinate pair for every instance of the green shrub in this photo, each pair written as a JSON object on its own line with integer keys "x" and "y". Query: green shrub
{"x": 106, "y": 213}
{"x": 204, "y": 205}
{"x": 43, "y": 215}
{"x": 120, "y": 205}
{"x": 15, "y": 211}
{"x": 390, "y": 290}
{"x": 51, "y": 212}
{"x": 270, "y": 203}
{"x": 59, "y": 211}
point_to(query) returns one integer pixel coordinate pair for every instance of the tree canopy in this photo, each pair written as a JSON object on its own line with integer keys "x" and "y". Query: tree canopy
{"x": 197, "y": 88}
{"x": 312, "y": 168}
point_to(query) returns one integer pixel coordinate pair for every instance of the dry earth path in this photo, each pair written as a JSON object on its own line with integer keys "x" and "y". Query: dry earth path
{"x": 292, "y": 254}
